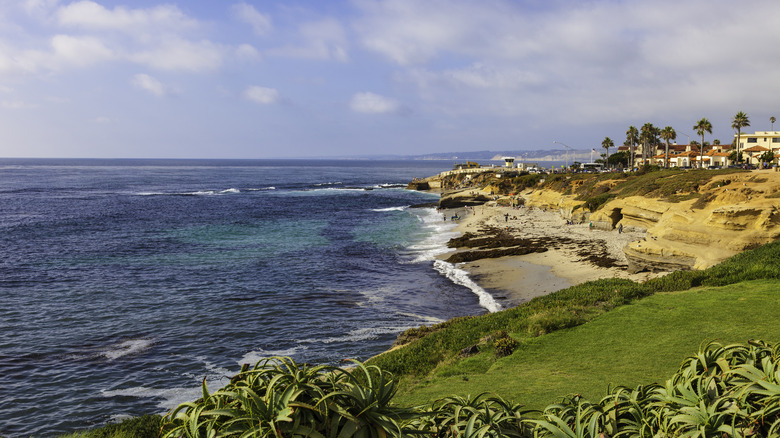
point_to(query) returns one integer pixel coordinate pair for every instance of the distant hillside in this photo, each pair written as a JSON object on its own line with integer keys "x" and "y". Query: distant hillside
{"x": 537, "y": 155}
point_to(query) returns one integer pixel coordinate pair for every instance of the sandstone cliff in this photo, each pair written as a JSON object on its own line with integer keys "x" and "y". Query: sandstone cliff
{"x": 731, "y": 214}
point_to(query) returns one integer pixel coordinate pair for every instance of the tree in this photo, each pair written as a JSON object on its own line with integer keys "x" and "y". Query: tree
{"x": 740, "y": 121}
{"x": 668, "y": 133}
{"x": 632, "y": 138}
{"x": 618, "y": 159}
{"x": 716, "y": 141}
{"x": 767, "y": 157}
{"x": 701, "y": 127}
{"x": 735, "y": 157}
{"x": 606, "y": 144}
{"x": 649, "y": 137}
{"x": 772, "y": 120}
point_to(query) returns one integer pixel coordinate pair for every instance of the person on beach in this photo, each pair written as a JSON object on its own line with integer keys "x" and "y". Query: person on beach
{"x": 506, "y": 217}
{"x": 620, "y": 229}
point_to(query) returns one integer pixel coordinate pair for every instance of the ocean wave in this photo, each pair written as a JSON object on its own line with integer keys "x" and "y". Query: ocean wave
{"x": 254, "y": 357}
{"x": 216, "y": 377}
{"x": 390, "y": 209}
{"x": 461, "y": 277}
{"x": 358, "y": 335}
{"x": 229, "y": 191}
{"x": 438, "y": 233}
{"x": 132, "y": 346}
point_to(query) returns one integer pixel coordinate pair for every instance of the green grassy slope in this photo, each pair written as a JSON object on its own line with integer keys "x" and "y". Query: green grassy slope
{"x": 637, "y": 344}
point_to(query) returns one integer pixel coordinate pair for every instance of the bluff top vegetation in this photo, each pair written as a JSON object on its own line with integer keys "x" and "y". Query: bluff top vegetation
{"x": 673, "y": 185}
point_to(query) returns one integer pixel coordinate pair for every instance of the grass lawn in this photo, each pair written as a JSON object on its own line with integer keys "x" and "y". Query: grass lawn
{"x": 636, "y": 344}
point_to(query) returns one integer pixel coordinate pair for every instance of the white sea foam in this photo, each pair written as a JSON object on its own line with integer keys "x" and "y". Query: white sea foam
{"x": 358, "y": 335}
{"x": 423, "y": 318}
{"x": 389, "y": 209}
{"x": 437, "y": 233}
{"x": 171, "y": 397}
{"x": 229, "y": 191}
{"x": 254, "y": 357}
{"x": 461, "y": 277}
{"x": 133, "y": 346}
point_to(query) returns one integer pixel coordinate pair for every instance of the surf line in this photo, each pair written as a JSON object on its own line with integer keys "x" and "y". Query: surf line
{"x": 461, "y": 277}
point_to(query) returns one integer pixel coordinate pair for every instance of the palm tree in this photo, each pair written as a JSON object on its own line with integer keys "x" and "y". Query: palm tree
{"x": 701, "y": 127}
{"x": 772, "y": 120}
{"x": 632, "y": 138}
{"x": 606, "y": 144}
{"x": 667, "y": 134}
{"x": 648, "y": 137}
{"x": 740, "y": 121}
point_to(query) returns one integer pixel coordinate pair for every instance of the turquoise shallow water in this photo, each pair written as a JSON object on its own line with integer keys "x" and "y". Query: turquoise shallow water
{"x": 124, "y": 283}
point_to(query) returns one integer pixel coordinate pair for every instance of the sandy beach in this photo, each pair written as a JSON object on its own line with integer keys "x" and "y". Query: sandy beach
{"x": 572, "y": 257}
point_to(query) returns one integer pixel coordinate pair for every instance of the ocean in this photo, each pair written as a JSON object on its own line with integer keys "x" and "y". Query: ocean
{"x": 125, "y": 283}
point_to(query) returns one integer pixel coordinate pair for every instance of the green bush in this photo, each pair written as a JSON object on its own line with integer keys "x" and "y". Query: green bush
{"x": 146, "y": 426}
{"x": 505, "y": 346}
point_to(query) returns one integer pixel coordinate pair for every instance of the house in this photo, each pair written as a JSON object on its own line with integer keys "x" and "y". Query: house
{"x": 770, "y": 140}
{"x": 751, "y": 155}
{"x": 720, "y": 159}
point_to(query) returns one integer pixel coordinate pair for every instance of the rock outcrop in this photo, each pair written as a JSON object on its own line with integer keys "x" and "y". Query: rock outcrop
{"x": 732, "y": 213}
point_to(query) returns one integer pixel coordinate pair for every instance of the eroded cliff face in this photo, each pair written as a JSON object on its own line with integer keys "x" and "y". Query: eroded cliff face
{"x": 733, "y": 213}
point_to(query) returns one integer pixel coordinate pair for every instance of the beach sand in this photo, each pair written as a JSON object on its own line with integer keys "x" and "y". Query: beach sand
{"x": 516, "y": 279}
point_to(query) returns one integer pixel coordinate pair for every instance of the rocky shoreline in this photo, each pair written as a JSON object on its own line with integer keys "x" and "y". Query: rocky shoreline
{"x": 719, "y": 216}
{"x": 518, "y": 253}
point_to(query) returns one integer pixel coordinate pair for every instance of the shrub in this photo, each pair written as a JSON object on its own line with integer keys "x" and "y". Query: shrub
{"x": 145, "y": 426}
{"x": 504, "y": 345}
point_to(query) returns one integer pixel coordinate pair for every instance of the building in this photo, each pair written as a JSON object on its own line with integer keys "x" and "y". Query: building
{"x": 768, "y": 140}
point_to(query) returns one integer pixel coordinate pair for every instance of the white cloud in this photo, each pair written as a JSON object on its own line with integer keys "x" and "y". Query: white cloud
{"x": 91, "y": 15}
{"x": 261, "y": 23}
{"x": 39, "y": 7}
{"x": 323, "y": 39}
{"x": 18, "y": 104}
{"x": 261, "y": 94}
{"x": 246, "y": 51}
{"x": 80, "y": 51}
{"x": 149, "y": 83}
{"x": 179, "y": 54}
{"x": 371, "y": 103}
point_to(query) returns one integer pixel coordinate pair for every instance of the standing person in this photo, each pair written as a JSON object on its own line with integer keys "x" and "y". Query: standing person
{"x": 506, "y": 217}
{"x": 620, "y": 229}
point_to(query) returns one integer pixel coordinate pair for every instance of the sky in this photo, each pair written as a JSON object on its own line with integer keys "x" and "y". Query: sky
{"x": 337, "y": 78}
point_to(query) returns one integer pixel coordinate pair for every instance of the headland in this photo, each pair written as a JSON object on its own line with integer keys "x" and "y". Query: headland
{"x": 525, "y": 235}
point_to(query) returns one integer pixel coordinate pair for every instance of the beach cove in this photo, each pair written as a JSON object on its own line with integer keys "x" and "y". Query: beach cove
{"x": 572, "y": 253}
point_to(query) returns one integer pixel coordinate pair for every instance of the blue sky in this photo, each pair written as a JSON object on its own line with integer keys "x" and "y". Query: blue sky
{"x": 279, "y": 79}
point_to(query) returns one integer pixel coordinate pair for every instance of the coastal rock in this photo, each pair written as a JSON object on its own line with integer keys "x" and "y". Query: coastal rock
{"x": 731, "y": 215}
{"x": 466, "y": 198}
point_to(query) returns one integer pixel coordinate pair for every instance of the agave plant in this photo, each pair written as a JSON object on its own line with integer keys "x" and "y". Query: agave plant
{"x": 273, "y": 398}
{"x": 360, "y": 404}
{"x": 278, "y": 397}
{"x": 484, "y": 415}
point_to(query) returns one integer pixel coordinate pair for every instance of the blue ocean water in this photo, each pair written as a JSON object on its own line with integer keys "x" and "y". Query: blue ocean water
{"x": 125, "y": 283}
